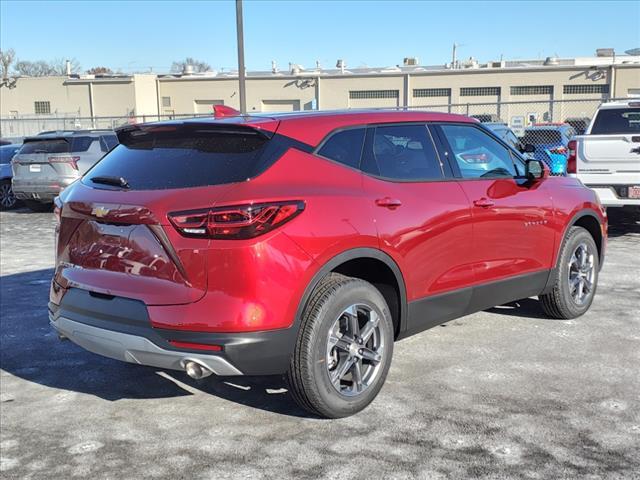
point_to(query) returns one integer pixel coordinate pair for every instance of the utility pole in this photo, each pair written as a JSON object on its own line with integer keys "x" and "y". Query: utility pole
{"x": 241, "y": 79}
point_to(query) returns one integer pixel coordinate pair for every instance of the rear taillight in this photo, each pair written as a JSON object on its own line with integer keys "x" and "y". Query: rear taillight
{"x": 72, "y": 161}
{"x": 571, "y": 157}
{"x": 235, "y": 222}
{"x": 560, "y": 149}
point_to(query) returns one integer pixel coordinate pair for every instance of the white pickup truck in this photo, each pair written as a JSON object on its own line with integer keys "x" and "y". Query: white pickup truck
{"x": 607, "y": 157}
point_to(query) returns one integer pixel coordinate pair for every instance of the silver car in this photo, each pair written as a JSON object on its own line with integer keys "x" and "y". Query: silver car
{"x": 48, "y": 163}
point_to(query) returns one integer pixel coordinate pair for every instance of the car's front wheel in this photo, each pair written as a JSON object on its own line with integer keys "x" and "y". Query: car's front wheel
{"x": 344, "y": 348}
{"x": 576, "y": 277}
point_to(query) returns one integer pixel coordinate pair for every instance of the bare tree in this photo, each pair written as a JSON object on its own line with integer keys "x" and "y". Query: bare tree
{"x": 59, "y": 66}
{"x": 100, "y": 71}
{"x": 6, "y": 59}
{"x": 198, "y": 66}
{"x": 39, "y": 68}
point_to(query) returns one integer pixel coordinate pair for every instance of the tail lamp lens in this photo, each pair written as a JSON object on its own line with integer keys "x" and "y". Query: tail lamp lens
{"x": 235, "y": 222}
{"x": 571, "y": 157}
{"x": 72, "y": 161}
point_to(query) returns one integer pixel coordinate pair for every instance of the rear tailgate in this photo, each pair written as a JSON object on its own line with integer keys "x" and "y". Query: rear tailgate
{"x": 117, "y": 240}
{"x": 610, "y": 153}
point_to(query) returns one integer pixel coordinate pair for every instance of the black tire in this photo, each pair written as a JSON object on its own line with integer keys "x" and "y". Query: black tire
{"x": 562, "y": 302}
{"x": 7, "y": 199}
{"x": 310, "y": 369}
{"x": 36, "y": 206}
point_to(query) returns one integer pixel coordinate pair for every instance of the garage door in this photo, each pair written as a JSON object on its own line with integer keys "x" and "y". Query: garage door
{"x": 206, "y": 106}
{"x": 280, "y": 105}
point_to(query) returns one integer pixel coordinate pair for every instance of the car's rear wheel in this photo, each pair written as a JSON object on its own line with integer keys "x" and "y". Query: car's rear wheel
{"x": 7, "y": 198}
{"x": 344, "y": 348}
{"x": 576, "y": 277}
{"x": 36, "y": 206}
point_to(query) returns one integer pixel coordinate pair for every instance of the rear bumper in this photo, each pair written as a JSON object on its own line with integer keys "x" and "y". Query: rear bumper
{"x": 136, "y": 349}
{"x": 609, "y": 198}
{"x": 41, "y": 191}
{"x": 120, "y": 328}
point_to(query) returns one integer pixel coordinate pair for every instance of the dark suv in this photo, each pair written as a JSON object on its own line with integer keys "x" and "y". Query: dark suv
{"x": 307, "y": 244}
{"x": 48, "y": 163}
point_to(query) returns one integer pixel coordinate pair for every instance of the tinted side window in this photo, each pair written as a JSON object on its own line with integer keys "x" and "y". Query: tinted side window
{"x": 477, "y": 154}
{"x": 344, "y": 147}
{"x": 107, "y": 142}
{"x": 405, "y": 152}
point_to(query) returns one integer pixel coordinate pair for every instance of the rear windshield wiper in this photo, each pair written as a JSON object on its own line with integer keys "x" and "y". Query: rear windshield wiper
{"x": 116, "y": 181}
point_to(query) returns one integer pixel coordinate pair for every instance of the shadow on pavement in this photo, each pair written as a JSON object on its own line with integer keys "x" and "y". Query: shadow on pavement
{"x": 31, "y": 350}
{"x": 623, "y": 221}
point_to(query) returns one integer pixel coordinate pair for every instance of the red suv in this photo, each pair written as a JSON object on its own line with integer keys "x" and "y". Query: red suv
{"x": 306, "y": 244}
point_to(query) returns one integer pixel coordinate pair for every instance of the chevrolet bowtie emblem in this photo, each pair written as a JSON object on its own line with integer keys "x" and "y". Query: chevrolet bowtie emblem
{"x": 99, "y": 212}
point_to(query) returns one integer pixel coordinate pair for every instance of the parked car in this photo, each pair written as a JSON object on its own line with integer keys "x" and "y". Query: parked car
{"x": 307, "y": 243}
{"x": 487, "y": 118}
{"x": 607, "y": 157}
{"x": 48, "y": 163}
{"x": 504, "y": 133}
{"x": 549, "y": 139}
{"x": 579, "y": 124}
{"x": 7, "y": 198}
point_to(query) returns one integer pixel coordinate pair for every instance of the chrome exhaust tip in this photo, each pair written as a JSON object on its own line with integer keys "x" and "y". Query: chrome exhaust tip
{"x": 195, "y": 370}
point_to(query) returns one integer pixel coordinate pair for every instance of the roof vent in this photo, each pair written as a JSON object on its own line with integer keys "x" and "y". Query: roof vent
{"x": 274, "y": 66}
{"x": 341, "y": 64}
{"x": 187, "y": 70}
{"x": 605, "y": 52}
{"x": 410, "y": 61}
{"x": 550, "y": 61}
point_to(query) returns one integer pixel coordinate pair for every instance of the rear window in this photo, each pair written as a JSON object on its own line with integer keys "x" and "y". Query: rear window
{"x": 541, "y": 137}
{"x": 612, "y": 121}
{"x": 81, "y": 144}
{"x": 167, "y": 157}
{"x": 55, "y": 145}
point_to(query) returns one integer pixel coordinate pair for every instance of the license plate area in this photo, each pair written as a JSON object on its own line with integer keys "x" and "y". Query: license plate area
{"x": 37, "y": 168}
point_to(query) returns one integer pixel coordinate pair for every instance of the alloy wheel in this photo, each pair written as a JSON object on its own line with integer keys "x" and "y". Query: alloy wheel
{"x": 7, "y": 199}
{"x": 355, "y": 350}
{"x": 581, "y": 274}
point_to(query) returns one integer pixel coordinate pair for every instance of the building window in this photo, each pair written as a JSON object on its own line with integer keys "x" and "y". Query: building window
{"x": 480, "y": 92}
{"x": 166, "y": 101}
{"x": 532, "y": 90}
{"x": 431, "y": 92}
{"x": 586, "y": 89}
{"x": 372, "y": 94}
{"x": 42, "y": 107}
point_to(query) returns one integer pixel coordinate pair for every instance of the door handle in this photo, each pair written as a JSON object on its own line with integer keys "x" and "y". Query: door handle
{"x": 484, "y": 203}
{"x": 388, "y": 202}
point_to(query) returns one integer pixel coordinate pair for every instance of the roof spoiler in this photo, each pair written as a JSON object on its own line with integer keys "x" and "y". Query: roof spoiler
{"x": 222, "y": 111}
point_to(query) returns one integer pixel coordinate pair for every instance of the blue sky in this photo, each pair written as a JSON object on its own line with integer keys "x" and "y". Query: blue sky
{"x": 136, "y": 35}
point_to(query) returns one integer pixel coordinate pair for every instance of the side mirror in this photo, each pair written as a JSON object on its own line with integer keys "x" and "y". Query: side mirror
{"x": 527, "y": 148}
{"x": 534, "y": 170}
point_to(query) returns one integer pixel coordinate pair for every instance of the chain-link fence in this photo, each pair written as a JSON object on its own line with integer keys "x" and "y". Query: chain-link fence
{"x": 546, "y": 125}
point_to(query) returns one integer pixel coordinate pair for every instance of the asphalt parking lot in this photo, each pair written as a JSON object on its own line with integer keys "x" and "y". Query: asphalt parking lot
{"x": 505, "y": 393}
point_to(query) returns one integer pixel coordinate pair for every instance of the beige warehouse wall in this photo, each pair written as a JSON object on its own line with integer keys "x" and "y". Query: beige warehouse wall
{"x": 188, "y": 95}
{"x": 627, "y": 81}
{"x": 113, "y": 98}
{"x": 145, "y": 94}
{"x": 63, "y": 96}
